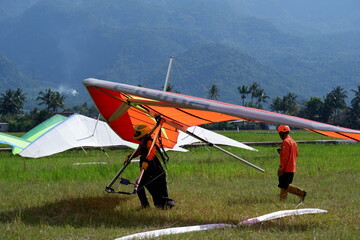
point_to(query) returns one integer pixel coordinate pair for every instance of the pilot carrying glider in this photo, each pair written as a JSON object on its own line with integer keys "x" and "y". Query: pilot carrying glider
{"x": 125, "y": 106}
{"x": 152, "y": 176}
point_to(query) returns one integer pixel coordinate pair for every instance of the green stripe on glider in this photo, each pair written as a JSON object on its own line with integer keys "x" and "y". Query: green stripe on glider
{"x": 14, "y": 141}
{"x": 39, "y": 130}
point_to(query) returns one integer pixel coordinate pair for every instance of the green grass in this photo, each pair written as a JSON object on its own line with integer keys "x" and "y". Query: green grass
{"x": 50, "y": 198}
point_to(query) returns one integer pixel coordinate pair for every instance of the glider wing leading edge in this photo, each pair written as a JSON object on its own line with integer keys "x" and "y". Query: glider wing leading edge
{"x": 124, "y": 106}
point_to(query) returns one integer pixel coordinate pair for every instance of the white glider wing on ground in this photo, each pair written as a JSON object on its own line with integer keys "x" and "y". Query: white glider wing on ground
{"x": 248, "y": 222}
{"x": 76, "y": 131}
{"x": 210, "y": 136}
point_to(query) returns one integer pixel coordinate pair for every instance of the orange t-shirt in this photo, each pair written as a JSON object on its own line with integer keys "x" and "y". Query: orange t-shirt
{"x": 288, "y": 154}
{"x": 149, "y": 155}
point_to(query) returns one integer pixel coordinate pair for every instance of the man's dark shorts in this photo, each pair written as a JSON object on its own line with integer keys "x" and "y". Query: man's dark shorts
{"x": 285, "y": 180}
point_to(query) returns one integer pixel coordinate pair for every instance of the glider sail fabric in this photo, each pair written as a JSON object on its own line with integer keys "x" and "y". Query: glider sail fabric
{"x": 248, "y": 222}
{"x": 39, "y": 130}
{"x": 124, "y": 106}
{"x": 20, "y": 143}
{"x": 75, "y": 131}
{"x": 43, "y": 127}
{"x": 215, "y": 138}
{"x": 16, "y": 142}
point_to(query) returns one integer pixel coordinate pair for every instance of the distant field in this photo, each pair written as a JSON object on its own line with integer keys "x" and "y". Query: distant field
{"x": 254, "y": 136}
{"x": 50, "y": 198}
{"x": 271, "y": 135}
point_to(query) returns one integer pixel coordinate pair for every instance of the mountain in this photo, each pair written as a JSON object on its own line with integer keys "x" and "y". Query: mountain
{"x": 10, "y": 75}
{"x": 14, "y": 8}
{"x": 200, "y": 67}
{"x": 57, "y": 43}
{"x": 306, "y": 16}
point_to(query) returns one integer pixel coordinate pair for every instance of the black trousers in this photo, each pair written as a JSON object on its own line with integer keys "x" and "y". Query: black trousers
{"x": 154, "y": 180}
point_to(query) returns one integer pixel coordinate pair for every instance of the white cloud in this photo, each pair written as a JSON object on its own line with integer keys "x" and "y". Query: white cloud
{"x": 67, "y": 91}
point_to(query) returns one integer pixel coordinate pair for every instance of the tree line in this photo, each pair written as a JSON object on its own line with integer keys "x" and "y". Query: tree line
{"x": 12, "y": 103}
{"x": 332, "y": 108}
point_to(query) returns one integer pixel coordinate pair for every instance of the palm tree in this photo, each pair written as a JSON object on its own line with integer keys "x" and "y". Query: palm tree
{"x": 289, "y": 104}
{"x": 261, "y": 97}
{"x": 243, "y": 90}
{"x": 353, "y": 117}
{"x": 253, "y": 90}
{"x": 356, "y": 99}
{"x": 58, "y": 101}
{"x": 335, "y": 103}
{"x": 313, "y": 109}
{"x": 339, "y": 97}
{"x": 12, "y": 101}
{"x": 53, "y": 100}
{"x": 276, "y": 105}
{"x": 213, "y": 92}
{"x": 45, "y": 98}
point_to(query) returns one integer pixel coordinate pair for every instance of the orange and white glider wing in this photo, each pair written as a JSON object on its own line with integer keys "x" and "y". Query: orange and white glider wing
{"x": 123, "y": 106}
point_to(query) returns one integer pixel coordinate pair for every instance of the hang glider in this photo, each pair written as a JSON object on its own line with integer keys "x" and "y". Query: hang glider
{"x": 74, "y": 132}
{"x": 40, "y": 129}
{"x": 59, "y": 133}
{"x": 123, "y": 106}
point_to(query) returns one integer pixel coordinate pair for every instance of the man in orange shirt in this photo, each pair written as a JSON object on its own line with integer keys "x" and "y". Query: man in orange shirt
{"x": 154, "y": 176}
{"x": 288, "y": 152}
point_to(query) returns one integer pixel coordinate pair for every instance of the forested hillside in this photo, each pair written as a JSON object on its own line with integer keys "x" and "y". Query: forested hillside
{"x": 57, "y": 43}
{"x": 10, "y": 76}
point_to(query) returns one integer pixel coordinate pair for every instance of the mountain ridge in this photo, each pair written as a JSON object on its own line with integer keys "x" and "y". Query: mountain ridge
{"x": 131, "y": 41}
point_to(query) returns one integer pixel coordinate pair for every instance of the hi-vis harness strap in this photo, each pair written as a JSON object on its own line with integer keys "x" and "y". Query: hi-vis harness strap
{"x": 157, "y": 131}
{"x": 160, "y": 150}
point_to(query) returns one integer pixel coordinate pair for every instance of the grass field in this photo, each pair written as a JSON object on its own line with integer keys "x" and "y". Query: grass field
{"x": 271, "y": 135}
{"x": 50, "y": 198}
